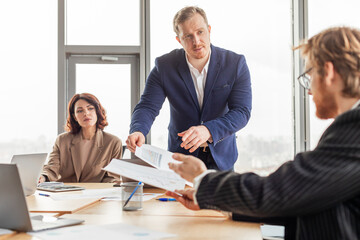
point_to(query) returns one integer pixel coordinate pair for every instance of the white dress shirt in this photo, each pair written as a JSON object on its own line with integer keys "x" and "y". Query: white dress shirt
{"x": 199, "y": 79}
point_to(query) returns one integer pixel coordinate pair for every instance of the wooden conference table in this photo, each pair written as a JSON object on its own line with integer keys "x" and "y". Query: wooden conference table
{"x": 170, "y": 217}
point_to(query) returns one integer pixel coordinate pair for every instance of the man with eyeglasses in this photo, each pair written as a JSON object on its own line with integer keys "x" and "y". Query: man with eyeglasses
{"x": 317, "y": 195}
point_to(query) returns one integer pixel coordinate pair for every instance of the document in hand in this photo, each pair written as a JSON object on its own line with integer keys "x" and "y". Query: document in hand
{"x": 164, "y": 179}
{"x": 156, "y": 157}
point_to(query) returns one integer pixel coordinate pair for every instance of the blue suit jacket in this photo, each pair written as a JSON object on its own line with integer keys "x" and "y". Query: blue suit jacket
{"x": 226, "y": 105}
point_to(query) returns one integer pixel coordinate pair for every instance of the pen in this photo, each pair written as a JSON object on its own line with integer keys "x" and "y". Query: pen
{"x": 43, "y": 194}
{"x": 166, "y": 199}
{"x": 132, "y": 194}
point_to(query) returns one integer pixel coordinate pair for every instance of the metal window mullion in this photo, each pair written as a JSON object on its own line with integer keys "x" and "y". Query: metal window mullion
{"x": 144, "y": 60}
{"x": 103, "y": 50}
{"x": 301, "y": 98}
{"x": 62, "y": 62}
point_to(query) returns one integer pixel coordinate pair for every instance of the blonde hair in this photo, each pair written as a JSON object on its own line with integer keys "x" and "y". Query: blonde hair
{"x": 184, "y": 14}
{"x": 341, "y": 46}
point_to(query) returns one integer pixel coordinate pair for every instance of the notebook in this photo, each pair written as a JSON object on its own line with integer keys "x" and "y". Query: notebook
{"x": 29, "y": 167}
{"x": 14, "y": 213}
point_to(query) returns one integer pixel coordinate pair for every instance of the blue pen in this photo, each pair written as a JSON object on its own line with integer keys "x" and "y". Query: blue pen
{"x": 43, "y": 194}
{"x": 166, "y": 199}
{"x": 132, "y": 194}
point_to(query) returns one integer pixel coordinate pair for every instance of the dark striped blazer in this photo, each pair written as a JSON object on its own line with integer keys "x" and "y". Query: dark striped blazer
{"x": 319, "y": 191}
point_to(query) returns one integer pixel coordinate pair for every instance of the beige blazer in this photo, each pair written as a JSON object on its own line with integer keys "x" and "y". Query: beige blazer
{"x": 64, "y": 161}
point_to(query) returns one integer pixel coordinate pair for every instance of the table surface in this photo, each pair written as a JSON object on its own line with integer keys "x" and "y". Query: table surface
{"x": 170, "y": 217}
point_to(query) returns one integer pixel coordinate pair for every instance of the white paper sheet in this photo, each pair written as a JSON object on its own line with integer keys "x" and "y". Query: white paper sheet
{"x": 95, "y": 232}
{"x": 88, "y": 193}
{"x": 155, "y": 156}
{"x": 272, "y": 232}
{"x": 106, "y": 194}
{"x": 164, "y": 179}
{"x": 4, "y": 231}
{"x": 146, "y": 197}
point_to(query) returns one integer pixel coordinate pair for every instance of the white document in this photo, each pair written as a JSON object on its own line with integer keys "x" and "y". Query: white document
{"x": 155, "y": 156}
{"x": 146, "y": 197}
{"x": 88, "y": 193}
{"x": 164, "y": 179}
{"x": 95, "y": 232}
{"x": 4, "y": 231}
{"x": 272, "y": 232}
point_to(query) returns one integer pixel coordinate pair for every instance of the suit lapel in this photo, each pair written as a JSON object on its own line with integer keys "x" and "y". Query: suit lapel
{"x": 184, "y": 73}
{"x": 75, "y": 155}
{"x": 212, "y": 75}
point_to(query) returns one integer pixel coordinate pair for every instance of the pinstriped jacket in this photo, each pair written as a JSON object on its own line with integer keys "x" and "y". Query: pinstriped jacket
{"x": 319, "y": 190}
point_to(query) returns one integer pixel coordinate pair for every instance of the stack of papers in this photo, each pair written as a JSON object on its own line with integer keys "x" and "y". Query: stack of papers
{"x": 160, "y": 176}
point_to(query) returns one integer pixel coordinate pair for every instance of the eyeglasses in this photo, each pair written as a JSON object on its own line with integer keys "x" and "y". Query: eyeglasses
{"x": 305, "y": 79}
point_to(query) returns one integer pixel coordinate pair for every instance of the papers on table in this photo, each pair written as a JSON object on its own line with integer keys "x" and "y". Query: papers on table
{"x": 155, "y": 156}
{"x": 103, "y": 193}
{"x": 94, "y": 232}
{"x": 146, "y": 197}
{"x": 89, "y": 193}
{"x": 164, "y": 179}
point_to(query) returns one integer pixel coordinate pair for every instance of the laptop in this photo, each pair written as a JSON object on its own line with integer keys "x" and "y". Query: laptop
{"x": 14, "y": 213}
{"x": 30, "y": 167}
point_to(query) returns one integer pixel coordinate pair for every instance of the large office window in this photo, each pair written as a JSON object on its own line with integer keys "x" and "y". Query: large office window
{"x": 101, "y": 50}
{"x": 102, "y": 22}
{"x": 324, "y": 14}
{"x": 263, "y": 35}
{"x": 112, "y": 82}
{"x": 28, "y": 94}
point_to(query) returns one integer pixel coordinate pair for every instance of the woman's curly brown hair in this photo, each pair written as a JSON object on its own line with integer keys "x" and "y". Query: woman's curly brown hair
{"x": 72, "y": 125}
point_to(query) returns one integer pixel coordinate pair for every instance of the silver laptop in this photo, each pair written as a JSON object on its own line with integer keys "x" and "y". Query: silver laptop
{"x": 30, "y": 167}
{"x": 14, "y": 213}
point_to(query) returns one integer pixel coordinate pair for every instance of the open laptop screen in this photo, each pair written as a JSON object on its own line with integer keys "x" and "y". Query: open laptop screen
{"x": 29, "y": 166}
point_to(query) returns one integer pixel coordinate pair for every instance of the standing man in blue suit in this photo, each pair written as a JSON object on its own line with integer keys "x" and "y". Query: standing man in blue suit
{"x": 209, "y": 92}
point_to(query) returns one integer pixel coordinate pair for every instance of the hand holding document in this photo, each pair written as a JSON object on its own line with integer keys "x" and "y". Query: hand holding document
{"x": 164, "y": 179}
{"x": 155, "y": 156}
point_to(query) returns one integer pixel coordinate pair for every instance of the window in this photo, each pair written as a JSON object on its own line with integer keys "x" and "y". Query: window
{"x": 263, "y": 35}
{"x": 28, "y": 76}
{"x": 102, "y": 22}
{"x": 112, "y": 81}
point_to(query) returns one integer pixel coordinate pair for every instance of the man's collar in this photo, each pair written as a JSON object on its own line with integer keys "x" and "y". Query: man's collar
{"x": 206, "y": 66}
{"x": 356, "y": 104}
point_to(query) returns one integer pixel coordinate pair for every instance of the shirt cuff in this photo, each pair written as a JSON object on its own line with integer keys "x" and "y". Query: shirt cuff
{"x": 197, "y": 181}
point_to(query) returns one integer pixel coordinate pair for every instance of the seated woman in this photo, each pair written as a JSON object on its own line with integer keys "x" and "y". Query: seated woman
{"x": 79, "y": 154}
